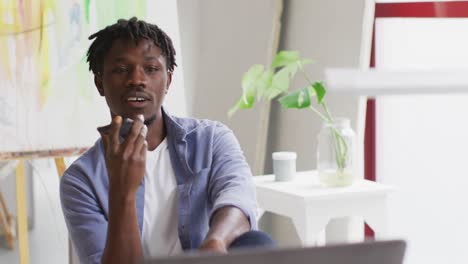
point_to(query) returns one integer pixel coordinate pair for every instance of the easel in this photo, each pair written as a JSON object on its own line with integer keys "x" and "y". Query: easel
{"x": 21, "y": 208}
{"x": 7, "y": 223}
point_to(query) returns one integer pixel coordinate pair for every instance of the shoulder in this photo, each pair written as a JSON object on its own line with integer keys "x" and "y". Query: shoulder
{"x": 190, "y": 124}
{"x": 84, "y": 172}
{"x": 209, "y": 137}
{"x": 201, "y": 126}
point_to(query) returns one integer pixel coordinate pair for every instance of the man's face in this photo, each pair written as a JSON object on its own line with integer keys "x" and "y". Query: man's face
{"x": 135, "y": 79}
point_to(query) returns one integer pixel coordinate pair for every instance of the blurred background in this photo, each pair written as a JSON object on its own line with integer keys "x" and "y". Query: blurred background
{"x": 416, "y": 143}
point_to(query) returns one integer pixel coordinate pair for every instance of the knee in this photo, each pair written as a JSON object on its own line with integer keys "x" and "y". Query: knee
{"x": 253, "y": 239}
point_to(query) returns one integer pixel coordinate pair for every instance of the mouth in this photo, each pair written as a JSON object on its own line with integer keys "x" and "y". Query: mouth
{"x": 136, "y": 101}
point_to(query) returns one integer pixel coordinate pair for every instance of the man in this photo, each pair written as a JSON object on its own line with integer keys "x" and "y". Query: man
{"x": 171, "y": 184}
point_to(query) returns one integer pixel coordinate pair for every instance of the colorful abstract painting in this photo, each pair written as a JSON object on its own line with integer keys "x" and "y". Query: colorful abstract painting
{"x": 47, "y": 95}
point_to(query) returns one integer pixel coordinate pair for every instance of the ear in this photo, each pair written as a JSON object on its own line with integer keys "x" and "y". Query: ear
{"x": 169, "y": 81}
{"x": 98, "y": 83}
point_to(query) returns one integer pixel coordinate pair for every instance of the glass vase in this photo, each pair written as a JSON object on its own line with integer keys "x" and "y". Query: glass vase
{"x": 336, "y": 154}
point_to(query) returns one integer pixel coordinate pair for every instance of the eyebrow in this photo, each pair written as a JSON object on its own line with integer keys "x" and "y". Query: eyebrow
{"x": 147, "y": 58}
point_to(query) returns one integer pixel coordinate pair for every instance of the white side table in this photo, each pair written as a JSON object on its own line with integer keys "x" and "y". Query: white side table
{"x": 311, "y": 206}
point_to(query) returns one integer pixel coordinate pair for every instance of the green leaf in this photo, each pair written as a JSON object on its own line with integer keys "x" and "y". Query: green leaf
{"x": 254, "y": 82}
{"x": 298, "y": 99}
{"x": 319, "y": 90}
{"x": 279, "y": 84}
{"x": 263, "y": 84}
{"x": 284, "y": 58}
{"x": 291, "y": 69}
{"x": 246, "y": 101}
{"x": 250, "y": 78}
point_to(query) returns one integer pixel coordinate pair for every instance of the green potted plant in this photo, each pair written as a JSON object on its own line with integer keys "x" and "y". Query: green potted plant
{"x": 336, "y": 139}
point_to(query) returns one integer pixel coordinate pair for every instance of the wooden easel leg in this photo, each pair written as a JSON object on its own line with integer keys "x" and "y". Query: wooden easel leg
{"x": 61, "y": 167}
{"x": 6, "y": 222}
{"x": 22, "y": 214}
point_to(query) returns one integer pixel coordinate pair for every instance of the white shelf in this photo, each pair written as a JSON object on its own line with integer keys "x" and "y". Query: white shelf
{"x": 386, "y": 82}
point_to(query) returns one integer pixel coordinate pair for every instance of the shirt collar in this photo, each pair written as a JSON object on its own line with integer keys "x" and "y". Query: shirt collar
{"x": 173, "y": 128}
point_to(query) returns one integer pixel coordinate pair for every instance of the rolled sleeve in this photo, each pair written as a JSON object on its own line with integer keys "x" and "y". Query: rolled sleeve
{"x": 84, "y": 217}
{"x": 231, "y": 182}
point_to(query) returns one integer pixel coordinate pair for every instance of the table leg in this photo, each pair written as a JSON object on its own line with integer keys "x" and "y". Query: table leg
{"x": 377, "y": 219}
{"x": 308, "y": 228}
{"x": 345, "y": 230}
{"x": 260, "y": 213}
{"x": 22, "y": 214}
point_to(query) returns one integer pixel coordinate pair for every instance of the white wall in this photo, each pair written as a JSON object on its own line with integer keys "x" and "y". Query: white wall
{"x": 165, "y": 15}
{"x": 189, "y": 21}
{"x": 232, "y": 35}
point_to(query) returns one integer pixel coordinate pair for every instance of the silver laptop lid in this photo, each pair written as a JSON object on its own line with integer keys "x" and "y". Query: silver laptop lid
{"x": 382, "y": 252}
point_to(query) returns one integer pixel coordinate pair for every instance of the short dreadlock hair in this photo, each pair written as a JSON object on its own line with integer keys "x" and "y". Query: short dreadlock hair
{"x": 132, "y": 29}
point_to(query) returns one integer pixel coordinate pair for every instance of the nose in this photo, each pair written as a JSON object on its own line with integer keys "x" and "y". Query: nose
{"x": 137, "y": 77}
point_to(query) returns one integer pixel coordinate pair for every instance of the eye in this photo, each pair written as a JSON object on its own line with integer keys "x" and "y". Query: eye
{"x": 119, "y": 70}
{"x": 151, "y": 69}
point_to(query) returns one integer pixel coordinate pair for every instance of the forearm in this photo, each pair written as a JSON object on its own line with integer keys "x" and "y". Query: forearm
{"x": 226, "y": 225}
{"x": 123, "y": 243}
{"x": 125, "y": 164}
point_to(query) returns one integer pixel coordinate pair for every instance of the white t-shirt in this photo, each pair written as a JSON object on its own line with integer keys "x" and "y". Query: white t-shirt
{"x": 160, "y": 235}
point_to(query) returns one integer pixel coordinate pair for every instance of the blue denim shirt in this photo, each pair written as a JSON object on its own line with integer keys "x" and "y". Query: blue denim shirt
{"x": 210, "y": 169}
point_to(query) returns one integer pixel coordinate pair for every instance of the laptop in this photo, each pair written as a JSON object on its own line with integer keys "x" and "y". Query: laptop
{"x": 381, "y": 252}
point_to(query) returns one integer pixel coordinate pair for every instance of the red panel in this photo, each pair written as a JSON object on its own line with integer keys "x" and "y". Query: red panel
{"x": 369, "y": 133}
{"x": 422, "y": 9}
{"x": 369, "y": 142}
{"x": 369, "y": 151}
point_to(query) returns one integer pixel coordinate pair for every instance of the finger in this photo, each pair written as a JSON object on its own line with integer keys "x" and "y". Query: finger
{"x": 138, "y": 128}
{"x": 140, "y": 143}
{"x": 135, "y": 130}
{"x": 143, "y": 150}
{"x": 114, "y": 133}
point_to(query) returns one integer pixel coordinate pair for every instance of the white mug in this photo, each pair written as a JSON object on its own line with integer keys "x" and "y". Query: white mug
{"x": 284, "y": 165}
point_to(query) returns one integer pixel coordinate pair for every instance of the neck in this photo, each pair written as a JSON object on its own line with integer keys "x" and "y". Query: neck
{"x": 156, "y": 132}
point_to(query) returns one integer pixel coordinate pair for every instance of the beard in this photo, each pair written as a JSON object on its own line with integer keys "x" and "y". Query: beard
{"x": 150, "y": 120}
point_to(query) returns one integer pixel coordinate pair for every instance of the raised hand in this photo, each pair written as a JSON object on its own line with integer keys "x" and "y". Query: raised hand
{"x": 125, "y": 161}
